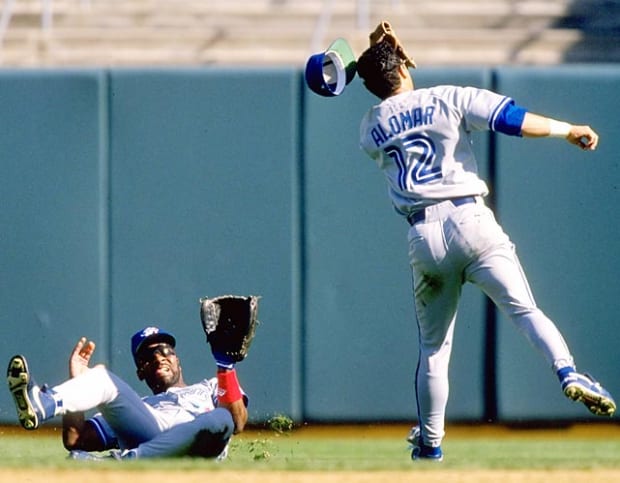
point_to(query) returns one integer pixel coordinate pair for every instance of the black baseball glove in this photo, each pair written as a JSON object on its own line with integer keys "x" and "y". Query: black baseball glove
{"x": 230, "y": 322}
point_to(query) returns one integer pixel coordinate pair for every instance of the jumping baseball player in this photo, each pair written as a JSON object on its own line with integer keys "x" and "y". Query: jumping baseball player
{"x": 420, "y": 139}
{"x": 178, "y": 419}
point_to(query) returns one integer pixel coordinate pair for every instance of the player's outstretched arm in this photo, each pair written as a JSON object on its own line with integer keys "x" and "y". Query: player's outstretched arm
{"x": 535, "y": 125}
{"x": 79, "y": 433}
{"x": 230, "y": 396}
{"x": 583, "y": 137}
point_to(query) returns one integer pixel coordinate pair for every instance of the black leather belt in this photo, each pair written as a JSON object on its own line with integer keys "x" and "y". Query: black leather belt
{"x": 419, "y": 216}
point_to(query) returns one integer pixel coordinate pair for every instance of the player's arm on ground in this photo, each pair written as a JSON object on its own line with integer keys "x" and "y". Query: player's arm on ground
{"x": 535, "y": 125}
{"x": 79, "y": 433}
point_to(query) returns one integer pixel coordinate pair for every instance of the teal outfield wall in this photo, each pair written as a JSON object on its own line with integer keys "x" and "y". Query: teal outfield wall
{"x": 128, "y": 194}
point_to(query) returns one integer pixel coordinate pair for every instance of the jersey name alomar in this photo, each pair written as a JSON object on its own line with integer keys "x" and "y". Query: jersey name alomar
{"x": 421, "y": 139}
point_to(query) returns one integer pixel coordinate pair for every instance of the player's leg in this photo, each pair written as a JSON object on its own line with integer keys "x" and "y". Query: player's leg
{"x": 498, "y": 272}
{"x": 123, "y": 408}
{"x": 500, "y": 276}
{"x": 206, "y": 436}
{"x": 437, "y": 288}
{"x": 36, "y": 404}
{"x": 131, "y": 420}
{"x": 495, "y": 268}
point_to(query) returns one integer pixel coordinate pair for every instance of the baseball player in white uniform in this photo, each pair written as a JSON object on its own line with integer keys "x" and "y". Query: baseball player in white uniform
{"x": 420, "y": 139}
{"x": 178, "y": 419}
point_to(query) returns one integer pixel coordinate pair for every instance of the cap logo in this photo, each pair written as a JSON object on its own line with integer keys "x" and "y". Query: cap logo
{"x": 149, "y": 331}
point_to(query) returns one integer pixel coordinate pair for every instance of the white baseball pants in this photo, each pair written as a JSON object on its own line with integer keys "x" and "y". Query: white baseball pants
{"x": 454, "y": 245}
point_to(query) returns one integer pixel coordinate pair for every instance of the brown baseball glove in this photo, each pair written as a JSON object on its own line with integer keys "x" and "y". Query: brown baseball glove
{"x": 384, "y": 31}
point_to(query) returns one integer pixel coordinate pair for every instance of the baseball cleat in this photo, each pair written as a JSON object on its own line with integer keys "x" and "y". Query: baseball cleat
{"x": 81, "y": 455}
{"x": 113, "y": 455}
{"x": 420, "y": 451}
{"x": 33, "y": 405}
{"x": 583, "y": 388}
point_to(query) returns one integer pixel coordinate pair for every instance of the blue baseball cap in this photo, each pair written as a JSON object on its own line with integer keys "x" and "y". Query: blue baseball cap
{"x": 328, "y": 73}
{"x": 150, "y": 335}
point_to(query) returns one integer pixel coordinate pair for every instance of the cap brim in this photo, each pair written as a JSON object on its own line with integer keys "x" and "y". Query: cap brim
{"x": 343, "y": 50}
{"x": 329, "y": 72}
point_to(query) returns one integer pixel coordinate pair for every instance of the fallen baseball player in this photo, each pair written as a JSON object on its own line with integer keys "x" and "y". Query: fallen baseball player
{"x": 178, "y": 419}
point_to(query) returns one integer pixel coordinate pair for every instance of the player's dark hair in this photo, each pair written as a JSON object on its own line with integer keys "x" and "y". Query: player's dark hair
{"x": 378, "y": 68}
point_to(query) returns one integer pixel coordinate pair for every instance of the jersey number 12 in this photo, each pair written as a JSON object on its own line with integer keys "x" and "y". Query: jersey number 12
{"x": 416, "y": 163}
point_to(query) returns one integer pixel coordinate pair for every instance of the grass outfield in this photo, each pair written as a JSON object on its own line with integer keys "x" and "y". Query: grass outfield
{"x": 352, "y": 453}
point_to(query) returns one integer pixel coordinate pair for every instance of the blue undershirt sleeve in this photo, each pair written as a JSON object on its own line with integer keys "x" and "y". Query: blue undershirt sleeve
{"x": 509, "y": 120}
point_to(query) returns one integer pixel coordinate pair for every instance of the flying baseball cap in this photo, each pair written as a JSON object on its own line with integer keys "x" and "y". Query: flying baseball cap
{"x": 328, "y": 73}
{"x": 150, "y": 335}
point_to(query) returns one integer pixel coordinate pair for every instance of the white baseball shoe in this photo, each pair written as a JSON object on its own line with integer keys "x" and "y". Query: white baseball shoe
{"x": 585, "y": 389}
{"x": 420, "y": 451}
{"x": 113, "y": 455}
{"x": 33, "y": 404}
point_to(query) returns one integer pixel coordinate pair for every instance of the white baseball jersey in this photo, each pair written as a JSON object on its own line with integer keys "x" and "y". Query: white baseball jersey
{"x": 421, "y": 141}
{"x": 181, "y": 404}
{"x": 170, "y": 408}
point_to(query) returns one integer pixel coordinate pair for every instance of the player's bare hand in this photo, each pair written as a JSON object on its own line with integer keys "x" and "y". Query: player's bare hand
{"x": 583, "y": 136}
{"x": 80, "y": 357}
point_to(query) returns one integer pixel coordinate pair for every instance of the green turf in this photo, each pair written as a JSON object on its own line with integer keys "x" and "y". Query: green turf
{"x": 289, "y": 452}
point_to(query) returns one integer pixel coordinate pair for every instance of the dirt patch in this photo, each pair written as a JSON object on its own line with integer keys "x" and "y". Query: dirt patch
{"x": 416, "y": 474}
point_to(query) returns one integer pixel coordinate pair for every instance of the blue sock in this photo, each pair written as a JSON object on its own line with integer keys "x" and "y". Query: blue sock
{"x": 49, "y": 403}
{"x": 565, "y": 371}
